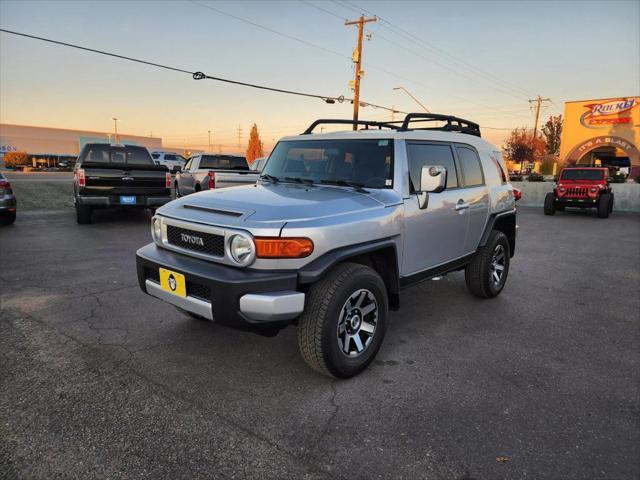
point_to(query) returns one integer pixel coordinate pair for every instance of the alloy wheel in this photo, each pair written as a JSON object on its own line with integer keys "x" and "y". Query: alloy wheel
{"x": 357, "y": 323}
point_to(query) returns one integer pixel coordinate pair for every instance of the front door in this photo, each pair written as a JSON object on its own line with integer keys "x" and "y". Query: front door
{"x": 436, "y": 234}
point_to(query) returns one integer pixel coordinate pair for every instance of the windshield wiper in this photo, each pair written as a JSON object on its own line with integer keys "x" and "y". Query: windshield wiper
{"x": 306, "y": 181}
{"x": 271, "y": 178}
{"x": 358, "y": 187}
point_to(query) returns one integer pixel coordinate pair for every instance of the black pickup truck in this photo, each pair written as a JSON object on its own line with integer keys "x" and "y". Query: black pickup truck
{"x": 118, "y": 176}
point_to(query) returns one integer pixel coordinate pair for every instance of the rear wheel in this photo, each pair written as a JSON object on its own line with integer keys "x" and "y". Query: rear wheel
{"x": 487, "y": 273}
{"x": 605, "y": 205}
{"x": 177, "y": 190}
{"x": 344, "y": 321}
{"x": 83, "y": 214}
{"x": 8, "y": 219}
{"x": 549, "y": 204}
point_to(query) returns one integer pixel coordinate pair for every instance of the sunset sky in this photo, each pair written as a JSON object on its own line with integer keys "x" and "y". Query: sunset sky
{"x": 479, "y": 60}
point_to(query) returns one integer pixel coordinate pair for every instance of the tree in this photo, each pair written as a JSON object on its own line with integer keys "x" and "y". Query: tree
{"x": 15, "y": 159}
{"x": 552, "y": 131}
{"x": 254, "y": 149}
{"x": 522, "y": 147}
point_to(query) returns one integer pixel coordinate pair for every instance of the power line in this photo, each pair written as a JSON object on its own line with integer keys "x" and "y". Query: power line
{"x": 197, "y": 75}
{"x": 439, "y": 51}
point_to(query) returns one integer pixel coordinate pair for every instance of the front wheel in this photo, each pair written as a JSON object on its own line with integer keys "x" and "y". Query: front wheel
{"x": 344, "y": 321}
{"x": 605, "y": 205}
{"x": 549, "y": 204}
{"x": 487, "y": 273}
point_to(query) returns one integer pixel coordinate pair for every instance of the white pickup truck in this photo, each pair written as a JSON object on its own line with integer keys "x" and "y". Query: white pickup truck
{"x": 209, "y": 171}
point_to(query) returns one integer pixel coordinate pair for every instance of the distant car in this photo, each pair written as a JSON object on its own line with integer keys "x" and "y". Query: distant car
{"x": 209, "y": 171}
{"x": 258, "y": 164}
{"x": 581, "y": 187}
{"x": 168, "y": 159}
{"x": 8, "y": 203}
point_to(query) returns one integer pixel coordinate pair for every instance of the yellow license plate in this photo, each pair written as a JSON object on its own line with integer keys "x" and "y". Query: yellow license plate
{"x": 173, "y": 282}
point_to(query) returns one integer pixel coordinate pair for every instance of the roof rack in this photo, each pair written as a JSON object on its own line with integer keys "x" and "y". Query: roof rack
{"x": 335, "y": 121}
{"x": 453, "y": 124}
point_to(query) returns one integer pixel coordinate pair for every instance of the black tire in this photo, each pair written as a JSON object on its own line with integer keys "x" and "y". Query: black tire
{"x": 611, "y": 203}
{"x": 83, "y": 214}
{"x": 198, "y": 188}
{"x": 605, "y": 205}
{"x": 549, "y": 204}
{"x": 177, "y": 190}
{"x": 480, "y": 273}
{"x": 329, "y": 306}
{"x": 8, "y": 219}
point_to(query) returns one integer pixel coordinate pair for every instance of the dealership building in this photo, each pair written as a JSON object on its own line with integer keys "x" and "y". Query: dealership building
{"x": 50, "y": 145}
{"x": 603, "y": 132}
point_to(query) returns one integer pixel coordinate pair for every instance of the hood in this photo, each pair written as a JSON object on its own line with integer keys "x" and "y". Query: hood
{"x": 271, "y": 206}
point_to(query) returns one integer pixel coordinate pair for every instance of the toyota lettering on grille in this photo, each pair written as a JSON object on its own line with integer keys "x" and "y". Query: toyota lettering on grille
{"x": 192, "y": 239}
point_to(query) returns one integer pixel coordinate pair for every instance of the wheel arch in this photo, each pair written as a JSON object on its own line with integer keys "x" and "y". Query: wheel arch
{"x": 380, "y": 255}
{"x": 504, "y": 222}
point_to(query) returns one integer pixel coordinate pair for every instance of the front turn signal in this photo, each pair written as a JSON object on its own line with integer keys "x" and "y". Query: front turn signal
{"x": 277, "y": 247}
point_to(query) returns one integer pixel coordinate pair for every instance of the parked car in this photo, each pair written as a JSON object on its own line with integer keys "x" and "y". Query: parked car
{"x": 581, "y": 187}
{"x": 206, "y": 172}
{"x": 171, "y": 160}
{"x": 258, "y": 164}
{"x": 118, "y": 176}
{"x": 337, "y": 226}
{"x": 8, "y": 202}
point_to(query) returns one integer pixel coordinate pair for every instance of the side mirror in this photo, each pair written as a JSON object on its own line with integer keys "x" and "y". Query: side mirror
{"x": 433, "y": 179}
{"x": 177, "y": 169}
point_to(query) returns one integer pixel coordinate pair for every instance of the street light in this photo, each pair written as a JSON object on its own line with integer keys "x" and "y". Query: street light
{"x": 115, "y": 127}
{"x": 414, "y": 98}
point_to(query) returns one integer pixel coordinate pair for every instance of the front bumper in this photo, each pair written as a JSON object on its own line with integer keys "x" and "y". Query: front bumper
{"x": 114, "y": 201}
{"x": 236, "y": 297}
{"x": 576, "y": 202}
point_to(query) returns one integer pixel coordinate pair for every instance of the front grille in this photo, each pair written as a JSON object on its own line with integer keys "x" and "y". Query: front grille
{"x": 200, "y": 291}
{"x": 193, "y": 240}
{"x": 577, "y": 191}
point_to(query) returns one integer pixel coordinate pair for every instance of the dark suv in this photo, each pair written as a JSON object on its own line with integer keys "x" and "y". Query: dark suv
{"x": 581, "y": 187}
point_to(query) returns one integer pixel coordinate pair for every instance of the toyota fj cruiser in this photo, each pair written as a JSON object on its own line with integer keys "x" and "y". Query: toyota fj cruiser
{"x": 338, "y": 224}
{"x": 581, "y": 187}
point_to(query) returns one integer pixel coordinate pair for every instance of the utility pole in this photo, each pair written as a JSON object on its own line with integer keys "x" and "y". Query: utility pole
{"x": 115, "y": 127}
{"x": 357, "y": 59}
{"x": 538, "y": 101}
{"x": 239, "y": 138}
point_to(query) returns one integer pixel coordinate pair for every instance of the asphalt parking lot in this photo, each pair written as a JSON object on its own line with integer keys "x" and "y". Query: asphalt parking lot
{"x": 98, "y": 380}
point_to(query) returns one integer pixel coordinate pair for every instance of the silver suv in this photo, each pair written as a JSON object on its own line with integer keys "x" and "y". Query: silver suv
{"x": 338, "y": 224}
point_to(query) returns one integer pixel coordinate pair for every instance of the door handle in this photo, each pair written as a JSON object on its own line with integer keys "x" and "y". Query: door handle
{"x": 461, "y": 205}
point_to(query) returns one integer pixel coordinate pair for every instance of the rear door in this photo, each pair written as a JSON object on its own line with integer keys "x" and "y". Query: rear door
{"x": 474, "y": 195}
{"x": 434, "y": 235}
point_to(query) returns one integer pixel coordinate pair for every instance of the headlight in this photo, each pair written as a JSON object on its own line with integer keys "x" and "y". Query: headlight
{"x": 156, "y": 230}
{"x": 594, "y": 189}
{"x": 562, "y": 189}
{"x": 242, "y": 249}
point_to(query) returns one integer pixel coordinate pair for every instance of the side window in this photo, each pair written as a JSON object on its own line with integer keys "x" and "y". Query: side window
{"x": 155, "y": 156}
{"x": 169, "y": 156}
{"x": 422, "y": 154}
{"x": 470, "y": 166}
{"x": 496, "y": 157}
{"x": 187, "y": 165}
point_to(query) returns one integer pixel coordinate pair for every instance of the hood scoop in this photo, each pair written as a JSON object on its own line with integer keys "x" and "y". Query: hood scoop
{"x": 217, "y": 211}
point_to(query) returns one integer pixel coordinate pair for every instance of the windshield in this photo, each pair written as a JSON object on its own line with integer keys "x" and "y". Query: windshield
{"x": 368, "y": 163}
{"x": 582, "y": 174}
{"x": 103, "y": 153}
{"x": 224, "y": 161}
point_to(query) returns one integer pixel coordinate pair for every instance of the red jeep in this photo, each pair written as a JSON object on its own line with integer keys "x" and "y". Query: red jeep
{"x": 581, "y": 187}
